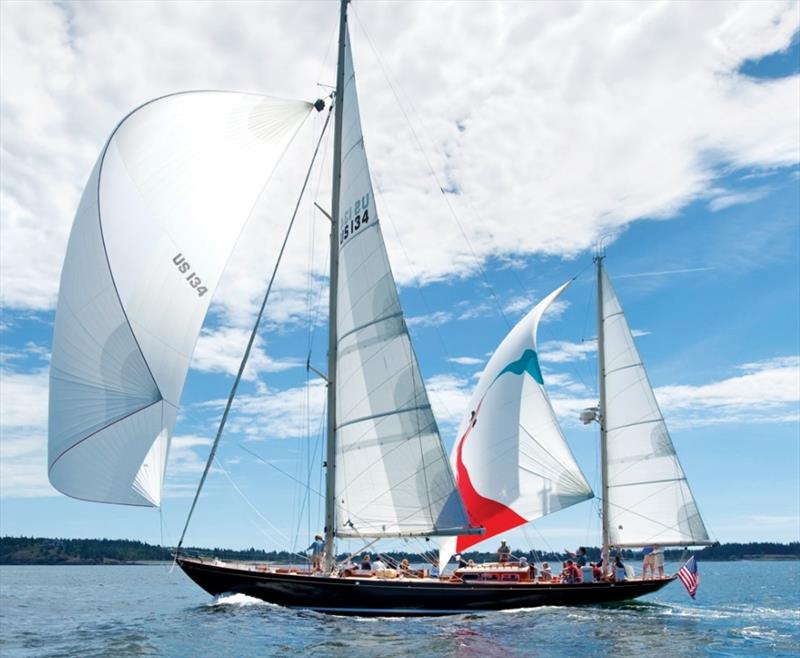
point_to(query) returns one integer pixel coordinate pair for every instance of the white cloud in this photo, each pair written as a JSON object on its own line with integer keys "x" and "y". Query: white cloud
{"x": 726, "y": 199}
{"x": 449, "y": 396}
{"x": 465, "y": 360}
{"x": 221, "y": 350}
{"x": 564, "y": 351}
{"x": 184, "y": 460}
{"x": 649, "y": 91}
{"x": 768, "y": 392}
{"x": 23, "y": 434}
{"x": 277, "y": 413}
{"x": 436, "y": 319}
{"x": 523, "y": 304}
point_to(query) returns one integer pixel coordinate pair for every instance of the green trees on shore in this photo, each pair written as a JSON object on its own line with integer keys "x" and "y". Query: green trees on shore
{"x": 43, "y": 550}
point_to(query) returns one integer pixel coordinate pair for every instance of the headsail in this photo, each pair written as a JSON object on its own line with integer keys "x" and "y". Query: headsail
{"x": 512, "y": 462}
{"x": 649, "y": 500}
{"x": 392, "y": 475}
{"x": 159, "y": 217}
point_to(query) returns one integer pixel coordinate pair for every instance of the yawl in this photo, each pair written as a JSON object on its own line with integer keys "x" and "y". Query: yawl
{"x": 160, "y": 215}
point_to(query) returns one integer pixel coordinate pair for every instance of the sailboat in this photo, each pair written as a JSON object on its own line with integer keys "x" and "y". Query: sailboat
{"x": 159, "y": 217}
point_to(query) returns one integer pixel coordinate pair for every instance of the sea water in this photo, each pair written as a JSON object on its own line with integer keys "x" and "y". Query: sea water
{"x": 742, "y": 609}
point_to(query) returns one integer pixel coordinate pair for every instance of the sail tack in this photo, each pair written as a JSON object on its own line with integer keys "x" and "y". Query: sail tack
{"x": 392, "y": 474}
{"x": 649, "y": 500}
{"x": 512, "y": 462}
{"x": 158, "y": 219}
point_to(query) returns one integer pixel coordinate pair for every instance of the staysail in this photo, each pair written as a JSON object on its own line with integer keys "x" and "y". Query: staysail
{"x": 392, "y": 474}
{"x": 649, "y": 500}
{"x": 159, "y": 217}
{"x": 512, "y": 462}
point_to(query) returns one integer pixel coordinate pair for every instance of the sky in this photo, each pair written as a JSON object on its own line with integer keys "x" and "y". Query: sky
{"x": 505, "y": 141}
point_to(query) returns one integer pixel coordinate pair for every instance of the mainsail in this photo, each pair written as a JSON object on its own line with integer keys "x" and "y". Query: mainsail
{"x": 392, "y": 474}
{"x": 512, "y": 462}
{"x": 649, "y": 500}
{"x": 158, "y": 219}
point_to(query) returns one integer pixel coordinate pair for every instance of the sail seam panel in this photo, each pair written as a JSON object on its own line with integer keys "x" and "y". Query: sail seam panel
{"x": 97, "y": 431}
{"x": 383, "y": 415}
{"x": 369, "y": 324}
{"x": 632, "y": 365}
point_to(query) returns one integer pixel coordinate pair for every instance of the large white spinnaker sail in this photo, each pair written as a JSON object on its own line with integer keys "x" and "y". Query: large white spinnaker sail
{"x": 392, "y": 474}
{"x": 512, "y": 462}
{"x": 158, "y": 219}
{"x": 649, "y": 500}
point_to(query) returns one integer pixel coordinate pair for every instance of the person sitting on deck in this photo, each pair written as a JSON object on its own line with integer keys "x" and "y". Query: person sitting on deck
{"x": 462, "y": 563}
{"x": 434, "y": 568}
{"x": 503, "y": 552}
{"x": 571, "y": 574}
{"x": 379, "y": 564}
{"x": 597, "y": 572}
{"x": 523, "y": 564}
{"x": 547, "y": 574}
{"x": 405, "y": 569}
{"x": 366, "y": 562}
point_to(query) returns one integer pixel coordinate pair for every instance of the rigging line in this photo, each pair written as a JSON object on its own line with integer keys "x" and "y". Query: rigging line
{"x": 255, "y": 509}
{"x": 450, "y": 362}
{"x": 280, "y": 470}
{"x": 647, "y": 518}
{"x": 251, "y": 340}
{"x": 478, "y": 265}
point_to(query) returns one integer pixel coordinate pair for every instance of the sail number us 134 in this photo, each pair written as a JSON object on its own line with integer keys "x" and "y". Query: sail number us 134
{"x": 354, "y": 218}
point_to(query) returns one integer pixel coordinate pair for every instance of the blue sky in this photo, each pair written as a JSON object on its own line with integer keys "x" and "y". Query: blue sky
{"x": 693, "y": 178}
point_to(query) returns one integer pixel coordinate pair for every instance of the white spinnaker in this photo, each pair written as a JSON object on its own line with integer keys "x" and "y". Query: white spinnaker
{"x": 649, "y": 500}
{"x": 392, "y": 475}
{"x": 512, "y": 461}
{"x": 158, "y": 219}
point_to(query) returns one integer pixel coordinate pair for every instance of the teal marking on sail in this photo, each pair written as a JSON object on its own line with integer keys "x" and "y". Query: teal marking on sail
{"x": 528, "y": 362}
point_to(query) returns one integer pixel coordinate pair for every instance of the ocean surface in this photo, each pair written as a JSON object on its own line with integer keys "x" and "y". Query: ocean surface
{"x": 742, "y": 609}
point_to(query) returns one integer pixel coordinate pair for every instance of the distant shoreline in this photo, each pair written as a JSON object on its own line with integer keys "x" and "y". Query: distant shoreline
{"x": 45, "y": 551}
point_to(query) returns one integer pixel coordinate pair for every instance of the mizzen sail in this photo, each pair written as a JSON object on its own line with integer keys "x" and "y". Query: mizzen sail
{"x": 158, "y": 219}
{"x": 392, "y": 474}
{"x": 649, "y": 500}
{"x": 512, "y": 462}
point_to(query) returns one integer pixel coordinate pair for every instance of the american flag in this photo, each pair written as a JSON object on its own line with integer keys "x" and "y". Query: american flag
{"x": 689, "y": 576}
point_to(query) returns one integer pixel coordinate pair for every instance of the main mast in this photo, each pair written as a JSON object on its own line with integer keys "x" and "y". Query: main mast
{"x": 601, "y": 371}
{"x": 330, "y": 463}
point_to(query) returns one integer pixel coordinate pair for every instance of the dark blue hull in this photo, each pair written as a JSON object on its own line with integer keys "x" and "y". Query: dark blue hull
{"x": 403, "y": 597}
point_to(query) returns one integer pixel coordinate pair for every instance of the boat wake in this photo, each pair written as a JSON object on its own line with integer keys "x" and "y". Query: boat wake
{"x": 239, "y": 601}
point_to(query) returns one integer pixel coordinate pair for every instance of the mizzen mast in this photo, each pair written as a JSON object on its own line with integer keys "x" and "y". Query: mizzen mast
{"x": 601, "y": 371}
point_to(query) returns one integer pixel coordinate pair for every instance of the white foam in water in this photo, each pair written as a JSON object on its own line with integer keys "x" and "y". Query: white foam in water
{"x": 240, "y": 600}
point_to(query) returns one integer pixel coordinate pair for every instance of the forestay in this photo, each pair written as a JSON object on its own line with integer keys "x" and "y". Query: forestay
{"x": 649, "y": 500}
{"x": 512, "y": 462}
{"x": 158, "y": 219}
{"x": 392, "y": 475}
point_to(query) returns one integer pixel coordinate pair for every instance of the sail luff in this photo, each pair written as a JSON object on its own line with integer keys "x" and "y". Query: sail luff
{"x": 333, "y": 287}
